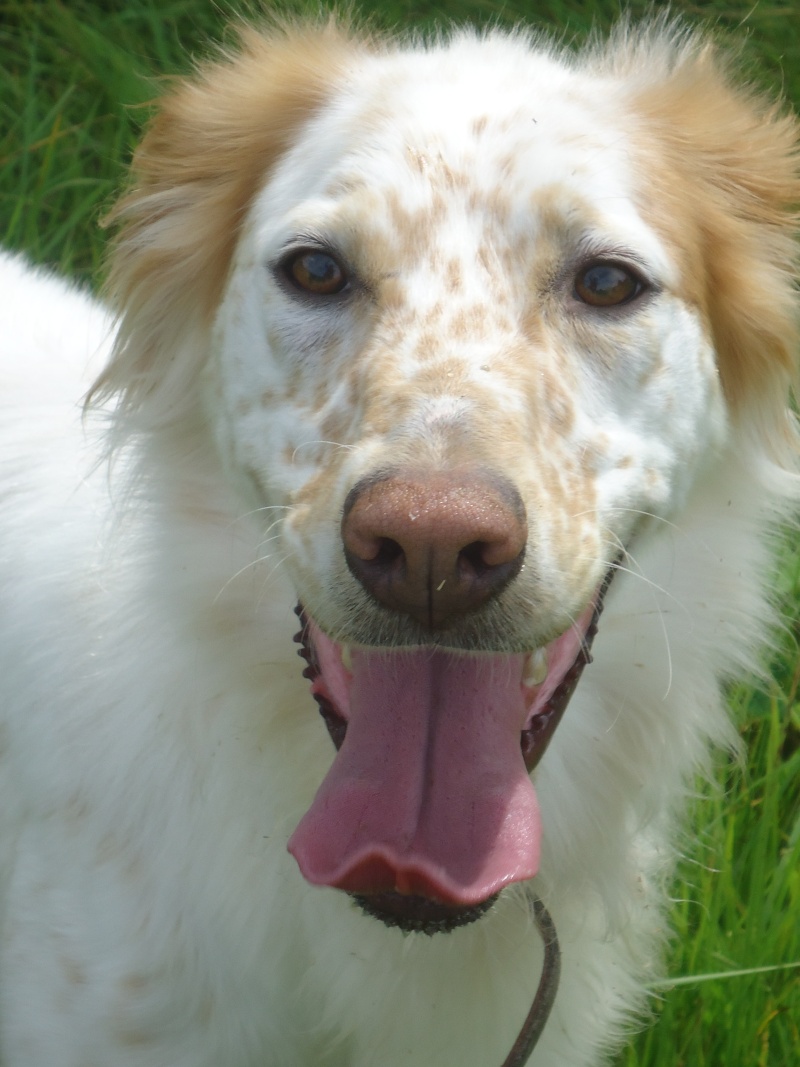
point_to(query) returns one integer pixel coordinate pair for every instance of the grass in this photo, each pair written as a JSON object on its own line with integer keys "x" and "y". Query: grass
{"x": 75, "y": 78}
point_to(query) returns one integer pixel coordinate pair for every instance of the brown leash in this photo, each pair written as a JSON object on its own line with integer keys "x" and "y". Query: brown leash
{"x": 546, "y": 993}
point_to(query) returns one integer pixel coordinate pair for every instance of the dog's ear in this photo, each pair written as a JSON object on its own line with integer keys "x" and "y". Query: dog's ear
{"x": 211, "y": 143}
{"x": 722, "y": 161}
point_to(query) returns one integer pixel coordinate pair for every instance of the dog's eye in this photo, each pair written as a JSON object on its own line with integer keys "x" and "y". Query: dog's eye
{"x": 315, "y": 271}
{"x": 605, "y": 285}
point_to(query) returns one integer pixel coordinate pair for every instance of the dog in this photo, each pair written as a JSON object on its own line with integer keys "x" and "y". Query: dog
{"x": 441, "y": 388}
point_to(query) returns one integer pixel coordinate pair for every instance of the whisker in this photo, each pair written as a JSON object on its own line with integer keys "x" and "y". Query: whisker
{"x": 243, "y": 570}
{"x": 268, "y": 577}
{"x": 269, "y": 530}
{"x": 654, "y": 588}
{"x": 258, "y": 511}
{"x": 315, "y": 444}
{"x": 633, "y": 511}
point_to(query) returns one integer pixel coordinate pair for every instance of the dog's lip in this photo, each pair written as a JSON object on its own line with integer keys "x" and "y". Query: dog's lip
{"x": 417, "y": 914}
{"x": 542, "y": 723}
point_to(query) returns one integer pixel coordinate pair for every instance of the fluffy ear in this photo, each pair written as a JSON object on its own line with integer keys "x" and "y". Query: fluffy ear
{"x": 723, "y": 166}
{"x": 206, "y": 151}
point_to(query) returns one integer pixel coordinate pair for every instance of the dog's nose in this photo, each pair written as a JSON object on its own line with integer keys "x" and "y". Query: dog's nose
{"x": 434, "y": 545}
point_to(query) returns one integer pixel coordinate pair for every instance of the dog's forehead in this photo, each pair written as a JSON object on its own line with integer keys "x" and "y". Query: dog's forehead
{"x": 516, "y": 141}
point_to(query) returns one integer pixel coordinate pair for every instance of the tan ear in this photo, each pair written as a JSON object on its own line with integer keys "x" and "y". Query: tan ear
{"x": 723, "y": 172}
{"x": 211, "y": 144}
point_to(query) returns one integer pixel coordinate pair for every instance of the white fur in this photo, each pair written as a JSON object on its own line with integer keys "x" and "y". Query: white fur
{"x": 158, "y": 742}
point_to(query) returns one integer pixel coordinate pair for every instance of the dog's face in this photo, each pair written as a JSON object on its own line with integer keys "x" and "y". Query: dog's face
{"x": 451, "y": 277}
{"x": 479, "y": 314}
{"x": 457, "y": 351}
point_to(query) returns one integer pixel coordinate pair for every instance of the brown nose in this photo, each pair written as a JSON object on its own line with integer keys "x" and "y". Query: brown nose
{"x": 434, "y": 545}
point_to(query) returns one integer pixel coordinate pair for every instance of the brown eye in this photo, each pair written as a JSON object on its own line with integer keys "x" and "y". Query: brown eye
{"x": 605, "y": 285}
{"x": 315, "y": 272}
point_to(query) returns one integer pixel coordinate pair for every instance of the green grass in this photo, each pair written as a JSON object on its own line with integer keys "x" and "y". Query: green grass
{"x": 75, "y": 78}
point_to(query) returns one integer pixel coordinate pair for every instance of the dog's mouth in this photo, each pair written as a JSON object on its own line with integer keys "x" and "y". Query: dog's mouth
{"x": 428, "y": 810}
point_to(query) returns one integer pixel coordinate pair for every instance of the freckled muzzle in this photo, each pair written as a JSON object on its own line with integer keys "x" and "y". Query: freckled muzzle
{"x": 428, "y": 810}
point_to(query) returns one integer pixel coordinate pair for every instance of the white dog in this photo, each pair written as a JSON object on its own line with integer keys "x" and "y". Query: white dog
{"x": 452, "y": 345}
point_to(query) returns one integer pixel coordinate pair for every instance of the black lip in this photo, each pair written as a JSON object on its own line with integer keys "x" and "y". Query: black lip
{"x": 537, "y": 737}
{"x": 415, "y": 914}
{"x": 337, "y": 727}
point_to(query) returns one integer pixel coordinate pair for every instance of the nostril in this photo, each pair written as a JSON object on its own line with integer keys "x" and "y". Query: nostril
{"x": 388, "y": 553}
{"x": 474, "y": 556}
{"x": 383, "y": 561}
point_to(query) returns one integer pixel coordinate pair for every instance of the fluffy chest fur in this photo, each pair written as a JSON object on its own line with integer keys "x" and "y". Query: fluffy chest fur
{"x": 454, "y": 345}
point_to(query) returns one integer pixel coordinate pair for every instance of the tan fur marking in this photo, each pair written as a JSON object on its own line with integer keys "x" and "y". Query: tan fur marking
{"x": 132, "y": 1036}
{"x": 75, "y": 973}
{"x": 731, "y": 154}
{"x": 416, "y": 159}
{"x": 427, "y": 345}
{"x": 77, "y": 807}
{"x": 180, "y": 220}
{"x": 134, "y": 983}
{"x": 454, "y": 276}
{"x": 108, "y": 847}
{"x": 479, "y": 126}
{"x": 436, "y": 313}
{"x": 470, "y": 323}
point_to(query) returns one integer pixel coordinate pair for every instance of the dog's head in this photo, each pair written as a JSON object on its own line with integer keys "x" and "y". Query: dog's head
{"x": 472, "y": 315}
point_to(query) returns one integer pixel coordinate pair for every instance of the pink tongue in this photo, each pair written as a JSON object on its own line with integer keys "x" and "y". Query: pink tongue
{"x": 428, "y": 794}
